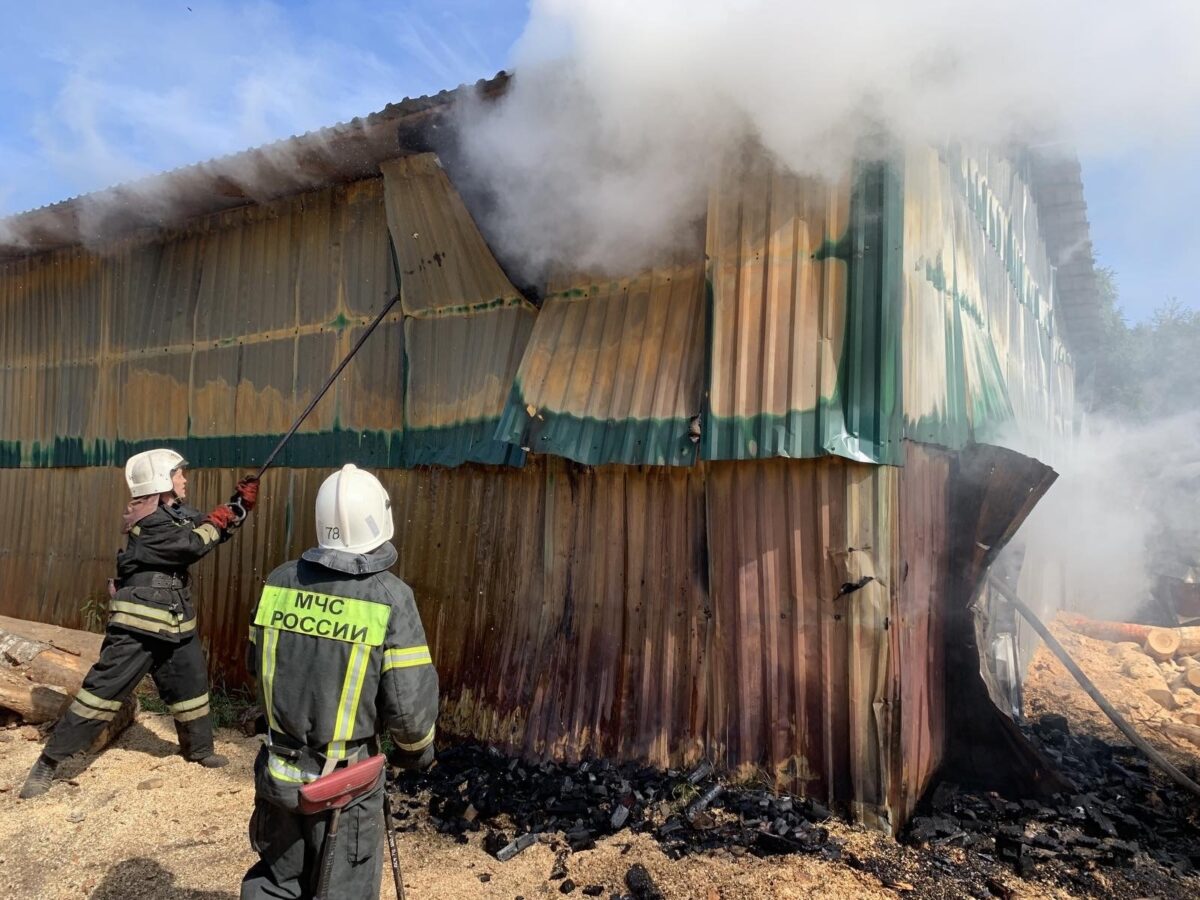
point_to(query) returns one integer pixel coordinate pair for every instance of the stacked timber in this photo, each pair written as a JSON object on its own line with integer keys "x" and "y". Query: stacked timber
{"x": 41, "y": 669}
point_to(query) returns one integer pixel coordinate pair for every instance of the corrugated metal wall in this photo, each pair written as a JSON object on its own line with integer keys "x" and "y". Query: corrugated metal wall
{"x": 804, "y": 343}
{"x": 465, "y": 325}
{"x": 211, "y": 339}
{"x": 614, "y": 369}
{"x": 642, "y": 612}
{"x": 657, "y": 612}
{"x": 982, "y": 355}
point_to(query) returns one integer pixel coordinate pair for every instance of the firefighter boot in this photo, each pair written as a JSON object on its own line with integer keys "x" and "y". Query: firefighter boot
{"x": 195, "y": 744}
{"x": 38, "y": 780}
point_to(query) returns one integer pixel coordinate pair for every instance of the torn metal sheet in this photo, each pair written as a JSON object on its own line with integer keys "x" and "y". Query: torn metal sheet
{"x": 613, "y": 372}
{"x": 466, "y": 326}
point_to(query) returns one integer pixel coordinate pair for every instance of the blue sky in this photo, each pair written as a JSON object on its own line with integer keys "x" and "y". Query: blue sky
{"x": 99, "y": 93}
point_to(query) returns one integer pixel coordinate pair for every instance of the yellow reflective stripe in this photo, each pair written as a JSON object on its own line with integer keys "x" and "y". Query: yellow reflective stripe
{"x": 86, "y": 712}
{"x": 197, "y": 713}
{"x": 86, "y": 696}
{"x": 422, "y": 743}
{"x": 146, "y": 612}
{"x": 323, "y": 615}
{"x": 270, "y": 642}
{"x": 208, "y": 533}
{"x": 253, "y": 635}
{"x": 147, "y": 624}
{"x": 286, "y": 772}
{"x": 185, "y": 705}
{"x": 336, "y": 750}
{"x": 406, "y": 657}
{"x": 352, "y": 685}
{"x": 135, "y": 530}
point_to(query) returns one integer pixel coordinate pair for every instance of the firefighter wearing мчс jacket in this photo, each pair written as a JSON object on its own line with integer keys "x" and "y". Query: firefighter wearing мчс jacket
{"x": 340, "y": 656}
{"x": 152, "y": 622}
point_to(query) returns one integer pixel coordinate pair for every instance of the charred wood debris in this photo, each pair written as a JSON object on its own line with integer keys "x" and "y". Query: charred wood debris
{"x": 1121, "y": 821}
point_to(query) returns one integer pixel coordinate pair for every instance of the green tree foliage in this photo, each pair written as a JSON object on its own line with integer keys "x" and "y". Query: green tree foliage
{"x": 1146, "y": 371}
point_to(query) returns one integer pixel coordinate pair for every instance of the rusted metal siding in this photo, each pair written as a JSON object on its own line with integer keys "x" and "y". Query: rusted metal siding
{"x": 982, "y": 349}
{"x": 51, "y": 334}
{"x": 466, "y": 326}
{"x": 804, "y": 345}
{"x": 918, "y": 627}
{"x": 654, "y": 613}
{"x": 210, "y": 339}
{"x": 614, "y": 369}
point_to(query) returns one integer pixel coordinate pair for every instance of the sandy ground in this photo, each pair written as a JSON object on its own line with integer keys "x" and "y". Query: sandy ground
{"x": 138, "y": 822}
{"x": 1050, "y": 688}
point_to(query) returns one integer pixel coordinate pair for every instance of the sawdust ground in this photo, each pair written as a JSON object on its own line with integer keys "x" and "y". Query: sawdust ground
{"x": 98, "y": 835}
{"x": 1050, "y": 688}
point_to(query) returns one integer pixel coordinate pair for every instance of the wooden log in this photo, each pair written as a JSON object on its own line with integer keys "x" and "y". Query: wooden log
{"x": 39, "y": 704}
{"x": 1189, "y": 639}
{"x": 42, "y": 667}
{"x": 35, "y": 703}
{"x": 1115, "y": 632}
{"x": 1163, "y": 643}
{"x": 1186, "y": 732}
{"x": 53, "y": 666}
{"x": 1188, "y": 678}
{"x": 68, "y": 640}
{"x": 1183, "y": 641}
{"x": 44, "y": 662}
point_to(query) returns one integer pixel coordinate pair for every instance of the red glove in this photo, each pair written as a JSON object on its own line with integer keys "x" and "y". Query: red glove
{"x": 247, "y": 489}
{"x": 223, "y": 517}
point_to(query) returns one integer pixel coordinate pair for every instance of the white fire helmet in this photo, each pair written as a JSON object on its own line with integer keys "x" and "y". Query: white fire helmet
{"x": 354, "y": 513}
{"x": 149, "y": 472}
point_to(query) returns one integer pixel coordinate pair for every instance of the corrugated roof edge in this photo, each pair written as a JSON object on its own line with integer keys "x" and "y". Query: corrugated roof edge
{"x": 1055, "y": 179}
{"x": 338, "y": 153}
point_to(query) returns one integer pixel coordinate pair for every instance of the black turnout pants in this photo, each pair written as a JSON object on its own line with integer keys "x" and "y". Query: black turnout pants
{"x": 289, "y": 846}
{"x": 179, "y": 674}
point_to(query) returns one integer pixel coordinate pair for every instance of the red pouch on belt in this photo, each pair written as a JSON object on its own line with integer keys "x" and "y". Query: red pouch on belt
{"x": 338, "y": 788}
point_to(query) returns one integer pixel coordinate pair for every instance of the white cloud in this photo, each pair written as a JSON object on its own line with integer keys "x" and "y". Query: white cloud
{"x": 98, "y": 97}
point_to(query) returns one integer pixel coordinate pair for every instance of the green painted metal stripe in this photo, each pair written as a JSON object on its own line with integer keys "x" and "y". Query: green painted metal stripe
{"x": 446, "y": 446}
{"x": 594, "y": 442}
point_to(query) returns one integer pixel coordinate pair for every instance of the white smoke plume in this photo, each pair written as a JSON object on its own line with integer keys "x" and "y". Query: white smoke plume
{"x": 620, "y": 109}
{"x": 1121, "y": 514}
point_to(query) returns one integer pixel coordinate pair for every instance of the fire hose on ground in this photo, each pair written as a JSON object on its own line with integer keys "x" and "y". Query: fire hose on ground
{"x": 1092, "y": 691}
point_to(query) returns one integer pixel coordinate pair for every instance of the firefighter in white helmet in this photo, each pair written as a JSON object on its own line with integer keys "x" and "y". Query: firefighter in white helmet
{"x": 340, "y": 655}
{"x": 152, "y": 622}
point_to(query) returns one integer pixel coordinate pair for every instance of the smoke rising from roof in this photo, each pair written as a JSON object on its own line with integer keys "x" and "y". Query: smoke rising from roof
{"x": 620, "y": 110}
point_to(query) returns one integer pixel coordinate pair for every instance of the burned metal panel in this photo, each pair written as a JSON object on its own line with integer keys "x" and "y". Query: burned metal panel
{"x": 445, "y": 264}
{"x": 804, "y": 339}
{"x": 471, "y": 547}
{"x": 55, "y": 560}
{"x": 652, "y": 613}
{"x": 622, "y": 639}
{"x": 458, "y": 373}
{"x": 209, "y": 339}
{"x": 992, "y": 492}
{"x": 466, "y": 326}
{"x": 53, "y": 376}
{"x": 982, "y": 350}
{"x": 803, "y": 684}
{"x": 613, "y": 372}
{"x": 918, "y": 626}
{"x": 370, "y": 392}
